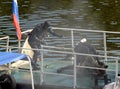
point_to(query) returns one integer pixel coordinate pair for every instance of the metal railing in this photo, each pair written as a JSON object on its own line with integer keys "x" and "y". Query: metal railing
{"x": 73, "y": 53}
{"x": 116, "y": 59}
{"x": 105, "y": 56}
{"x": 7, "y": 41}
{"x": 8, "y": 48}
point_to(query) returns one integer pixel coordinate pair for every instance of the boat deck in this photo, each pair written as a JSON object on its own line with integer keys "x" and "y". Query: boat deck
{"x": 48, "y": 78}
{"x": 52, "y": 79}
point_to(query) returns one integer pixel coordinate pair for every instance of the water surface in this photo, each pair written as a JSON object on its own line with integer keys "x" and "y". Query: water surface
{"x": 85, "y": 14}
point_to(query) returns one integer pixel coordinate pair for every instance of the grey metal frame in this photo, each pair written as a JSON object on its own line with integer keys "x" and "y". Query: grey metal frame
{"x": 75, "y": 66}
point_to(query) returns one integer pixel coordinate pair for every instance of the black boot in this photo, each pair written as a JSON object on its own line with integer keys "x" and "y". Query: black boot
{"x": 35, "y": 66}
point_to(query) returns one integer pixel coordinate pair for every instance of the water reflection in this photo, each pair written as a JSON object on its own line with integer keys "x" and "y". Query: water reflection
{"x": 88, "y": 14}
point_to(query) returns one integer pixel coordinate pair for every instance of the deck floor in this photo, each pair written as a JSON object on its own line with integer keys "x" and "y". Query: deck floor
{"x": 54, "y": 81}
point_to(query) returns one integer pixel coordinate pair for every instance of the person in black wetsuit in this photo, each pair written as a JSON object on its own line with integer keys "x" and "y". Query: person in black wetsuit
{"x": 37, "y": 35}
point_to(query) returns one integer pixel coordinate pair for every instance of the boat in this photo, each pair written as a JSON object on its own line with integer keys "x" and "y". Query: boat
{"x": 48, "y": 76}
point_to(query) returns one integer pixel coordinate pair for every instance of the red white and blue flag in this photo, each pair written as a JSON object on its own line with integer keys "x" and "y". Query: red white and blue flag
{"x": 16, "y": 19}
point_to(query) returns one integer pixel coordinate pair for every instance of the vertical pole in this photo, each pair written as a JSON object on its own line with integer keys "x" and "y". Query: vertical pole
{"x": 75, "y": 72}
{"x": 72, "y": 42}
{"x": 116, "y": 73}
{"x": 19, "y": 45}
{"x": 105, "y": 47}
{"x": 9, "y": 71}
{"x": 41, "y": 73}
{"x": 7, "y": 44}
{"x": 72, "y": 39}
{"x": 32, "y": 79}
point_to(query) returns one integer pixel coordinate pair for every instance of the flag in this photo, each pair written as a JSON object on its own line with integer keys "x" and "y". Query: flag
{"x": 16, "y": 19}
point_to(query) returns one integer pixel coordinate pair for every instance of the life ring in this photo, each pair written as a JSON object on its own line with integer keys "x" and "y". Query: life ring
{"x": 7, "y": 82}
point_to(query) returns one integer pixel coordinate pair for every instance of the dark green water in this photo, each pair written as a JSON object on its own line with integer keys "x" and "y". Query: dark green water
{"x": 86, "y": 14}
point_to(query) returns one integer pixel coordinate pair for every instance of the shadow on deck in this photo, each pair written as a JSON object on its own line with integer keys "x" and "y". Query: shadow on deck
{"x": 28, "y": 86}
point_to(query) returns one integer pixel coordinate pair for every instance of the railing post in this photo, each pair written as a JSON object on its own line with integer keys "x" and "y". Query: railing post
{"x": 31, "y": 72}
{"x": 41, "y": 73}
{"x": 105, "y": 46}
{"x": 7, "y": 49}
{"x": 116, "y": 73}
{"x": 74, "y": 76}
{"x": 72, "y": 42}
{"x": 75, "y": 72}
{"x": 7, "y": 42}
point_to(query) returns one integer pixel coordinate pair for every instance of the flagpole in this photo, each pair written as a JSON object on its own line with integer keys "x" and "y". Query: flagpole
{"x": 16, "y": 22}
{"x": 19, "y": 46}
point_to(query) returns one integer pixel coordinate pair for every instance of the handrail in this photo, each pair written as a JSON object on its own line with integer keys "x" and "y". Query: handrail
{"x": 6, "y": 38}
{"x": 85, "y": 30}
{"x": 112, "y": 58}
{"x": 62, "y": 51}
{"x": 73, "y": 53}
{"x": 66, "y": 52}
{"x": 72, "y": 45}
{"x": 26, "y": 31}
